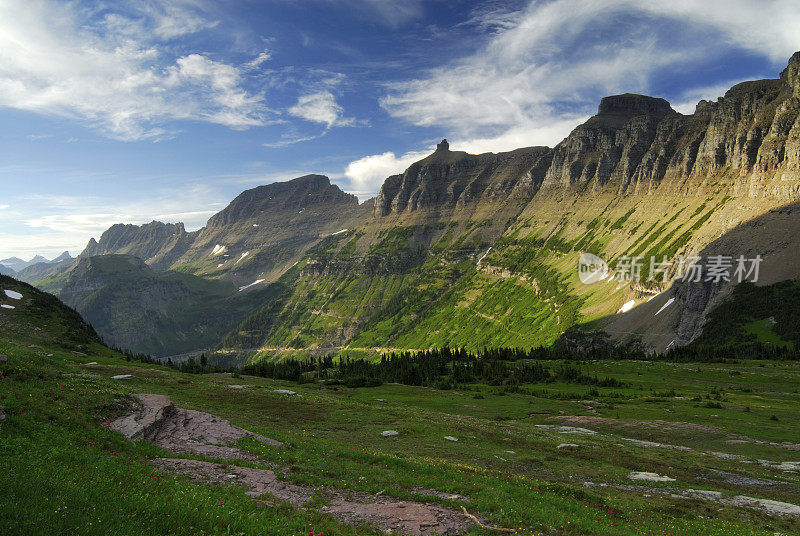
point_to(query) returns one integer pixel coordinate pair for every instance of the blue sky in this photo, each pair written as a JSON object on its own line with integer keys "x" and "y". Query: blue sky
{"x": 167, "y": 109}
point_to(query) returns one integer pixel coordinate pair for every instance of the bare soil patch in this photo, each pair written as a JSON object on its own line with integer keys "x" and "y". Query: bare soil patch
{"x": 157, "y": 420}
{"x": 384, "y": 513}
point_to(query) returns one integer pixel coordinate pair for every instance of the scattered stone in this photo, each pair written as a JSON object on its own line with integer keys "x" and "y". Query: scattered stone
{"x": 3, "y": 358}
{"x": 284, "y": 392}
{"x": 237, "y": 387}
{"x": 451, "y": 438}
{"x": 568, "y": 446}
{"x": 441, "y": 494}
{"x": 92, "y": 363}
{"x": 123, "y": 377}
{"x": 390, "y": 433}
{"x": 653, "y": 444}
{"x": 649, "y": 477}
{"x": 510, "y": 452}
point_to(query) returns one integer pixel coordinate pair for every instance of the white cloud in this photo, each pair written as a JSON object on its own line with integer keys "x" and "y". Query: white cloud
{"x": 367, "y": 174}
{"x": 3, "y": 207}
{"x": 321, "y": 107}
{"x": 116, "y": 74}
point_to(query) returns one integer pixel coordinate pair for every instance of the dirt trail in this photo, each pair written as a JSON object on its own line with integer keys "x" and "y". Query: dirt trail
{"x": 178, "y": 430}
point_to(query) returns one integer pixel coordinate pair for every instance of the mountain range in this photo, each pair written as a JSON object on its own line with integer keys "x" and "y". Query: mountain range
{"x": 471, "y": 250}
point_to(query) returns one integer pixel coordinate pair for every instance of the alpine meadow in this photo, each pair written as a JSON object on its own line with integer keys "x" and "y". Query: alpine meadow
{"x": 245, "y": 315}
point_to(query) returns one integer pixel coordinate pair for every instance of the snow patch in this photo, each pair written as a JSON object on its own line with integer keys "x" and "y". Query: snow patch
{"x": 220, "y": 265}
{"x": 217, "y": 250}
{"x": 254, "y": 283}
{"x": 245, "y": 254}
{"x": 669, "y": 302}
{"x": 255, "y": 225}
{"x": 627, "y": 307}
{"x": 13, "y": 295}
{"x": 339, "y": 232}
{"x": 484, "y": 255}
{"x": 5, "y": 306}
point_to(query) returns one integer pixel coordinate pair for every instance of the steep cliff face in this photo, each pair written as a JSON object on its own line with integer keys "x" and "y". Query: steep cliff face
{"x": 454, "y": 178}
{"x": 611, "y": 145}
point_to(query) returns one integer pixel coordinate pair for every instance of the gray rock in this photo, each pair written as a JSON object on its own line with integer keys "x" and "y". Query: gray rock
{"x": 451, "y": 438}
{"x": 284, "y": 392}
{"x": 123, "y": 377}
{"x": 390, "y": 433}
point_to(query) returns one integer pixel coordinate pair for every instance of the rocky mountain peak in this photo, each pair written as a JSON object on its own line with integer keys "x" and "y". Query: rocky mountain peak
{"x": 791, "y": 75}
{"x": 443, "y": 146}
{"x": 270, "y": 199}
{"x": 630, "y": 104}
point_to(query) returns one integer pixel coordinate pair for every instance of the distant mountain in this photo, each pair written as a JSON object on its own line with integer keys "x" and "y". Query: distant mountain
{"x": 15, "y": 263}
{"x": 18, "y": 264}
{"x": 5, "y": 270}
{"x": 159, "y": 244}
{"x": 168, "y": 312}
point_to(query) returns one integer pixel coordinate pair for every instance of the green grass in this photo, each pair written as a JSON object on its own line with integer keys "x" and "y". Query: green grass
{"x": 106, "y": 485}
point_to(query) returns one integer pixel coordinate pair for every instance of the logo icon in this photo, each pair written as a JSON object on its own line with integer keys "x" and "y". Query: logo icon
{"x": 591, "y": 268}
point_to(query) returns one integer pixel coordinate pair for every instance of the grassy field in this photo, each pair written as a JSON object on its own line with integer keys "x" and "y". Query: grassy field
{"x": 66, "y": 474}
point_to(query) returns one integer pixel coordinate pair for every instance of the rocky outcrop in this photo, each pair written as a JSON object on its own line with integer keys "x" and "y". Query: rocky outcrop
{"x": 159, "y": 421}
{"x": 454, "y": 178}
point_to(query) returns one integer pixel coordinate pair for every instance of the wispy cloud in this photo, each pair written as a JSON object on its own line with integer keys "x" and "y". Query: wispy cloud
{"x": 49, "y": 224}
{"x": 384, "y": 12}
{"x": 262, "y": 58}
{"x": 548, "y": 61}
{"x": 115, "y": 71}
